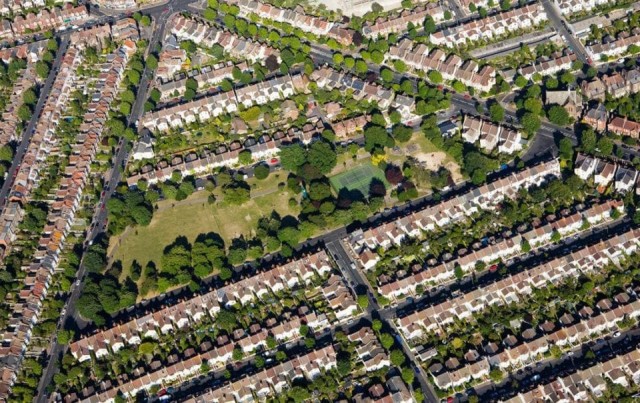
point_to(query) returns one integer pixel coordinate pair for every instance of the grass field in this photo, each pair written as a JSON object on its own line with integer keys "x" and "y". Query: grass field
{"x": 195, "y": 216}
{"x": 358, "y": 178}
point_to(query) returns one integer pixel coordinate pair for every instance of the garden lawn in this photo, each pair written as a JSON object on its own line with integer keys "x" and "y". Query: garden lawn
{"x": 194, "y": 216}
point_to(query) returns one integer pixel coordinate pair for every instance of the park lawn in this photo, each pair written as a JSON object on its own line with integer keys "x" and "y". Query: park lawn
{"x": 194, "y": 216}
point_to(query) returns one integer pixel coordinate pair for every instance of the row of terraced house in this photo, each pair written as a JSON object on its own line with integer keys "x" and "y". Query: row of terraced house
{"x": 297, "y": 18}
{"x": 502, "y": 250}
{"x": 205, "y": 108}
{"x": 55, "y": 19}
{"x": 516, "y": 287}
{"x": 491, "y": 27}
{"x": 16, "y": 336}
{"x": 382, "y": 26}
{"x": 192, "y": 164}
{"x": 10, "y": 121}
{"x": 205, "y": 35}
{"x": 188, "y": 313}
{"x": 583, "y": 384}
{"x": 452, "y": 67}
{"x": 613, "y": 48}
{"x": 522, "y": 354}
{"x": 456, "y": 209}
{"x": 330, "y": 79}
{"x": 42, "y": 144}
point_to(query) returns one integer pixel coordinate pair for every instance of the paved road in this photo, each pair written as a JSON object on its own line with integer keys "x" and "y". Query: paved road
{"x": 466, "y": 104}
{"x": 100, "y": 219}
{"x": 560, "y": 24}
{"x": 511, "y": 45}
{"x": 28, "y": 132}
{"x": 349, "y": 269}
{"x": 322, "y": 55}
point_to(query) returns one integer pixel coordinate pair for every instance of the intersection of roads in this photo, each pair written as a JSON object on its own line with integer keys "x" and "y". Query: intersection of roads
{"x": 544, "y": 144}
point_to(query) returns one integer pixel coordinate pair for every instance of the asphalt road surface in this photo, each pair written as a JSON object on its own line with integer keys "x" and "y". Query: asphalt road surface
{"x": 28, "y": 132}
{"x": 547, "y": 136}
{"x": 560, "y": 24}
{"x": 100, "y": 218}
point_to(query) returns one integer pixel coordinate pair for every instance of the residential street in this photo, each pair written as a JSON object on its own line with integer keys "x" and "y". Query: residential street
{"x": 28, "y": 132}
{"x": 541, "y": 147}
{"x": 57, "y": 350}
{"x": 561, "y": 27}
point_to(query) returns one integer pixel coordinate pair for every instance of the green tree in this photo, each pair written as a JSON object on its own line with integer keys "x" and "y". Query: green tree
{"x": 533, "y": 105}
{"x": 530, "y": 123}
{"x": 29, "y": 97}
{"x": 386, "y": 75}
{"x": 556, "y": 352}
{"x": 322, "y": 156}
{"x": 292, "y": 157}
{"x": 261, "y": 172}
{"x": 344, "y": 365}
{"x": 133, "y": 76}
{"x": 397, "y": 357}
{"x": 429, "y": 25}
{"x": 605, "y": 146}
{"x": 363, "y": 301}
{"x": 289, "y": 235}
{"x": 376, "y": 138}
{"x": 458, "y": 272}
{"x": 408, "y": 376}
{"x": 558, "y": 115}
{"x": 226, "y": 320}
{"x": 237, "y": 353}
{"x": 244, "y": 157}
{"x": 399, "y": 66}
{"x": 588, "y": 140}
{"x": 386, "y": 340}
{"x": 496, "y": 112}
{"x": 299, "y": 394}
{"x": 435, "y": 76}
{"x": 42, "y": 69}
{"x": 565, "y": 147}
{"x": 145, "y": 21}
{"x": 521, "y": 82}
{"x": 361, "y": 66}
{"x": 496, "y": 375}
{"x": 402, "y": 133}
{"x": 6, "y": 153}
{"x": 24, "y": 113}
{"x": 210, "y": 14}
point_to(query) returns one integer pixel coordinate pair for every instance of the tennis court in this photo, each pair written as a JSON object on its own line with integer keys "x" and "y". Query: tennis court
{"x": 358, "y": 178}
